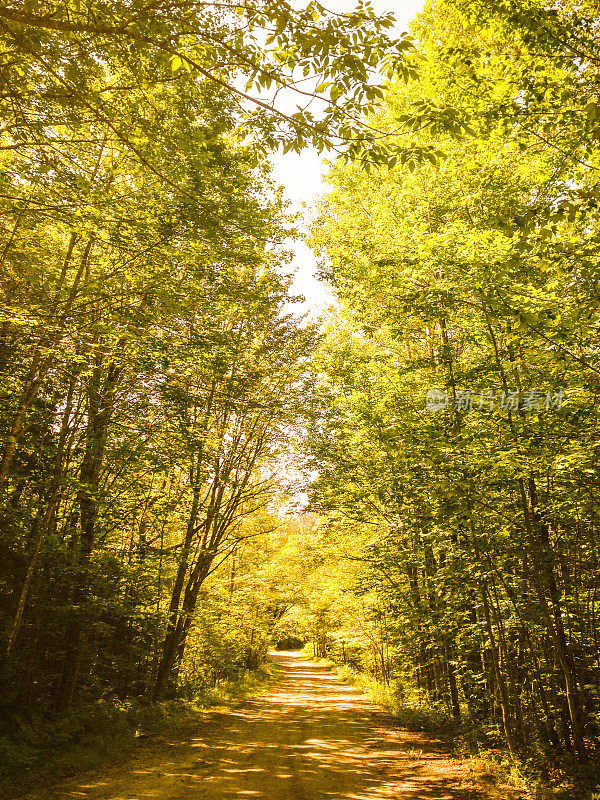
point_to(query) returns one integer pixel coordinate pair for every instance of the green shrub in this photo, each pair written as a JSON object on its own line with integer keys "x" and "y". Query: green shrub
{"x": 393, "y": 698}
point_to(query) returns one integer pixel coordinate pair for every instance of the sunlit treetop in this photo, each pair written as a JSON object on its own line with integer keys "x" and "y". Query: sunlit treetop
{"x": 296, "y": 76}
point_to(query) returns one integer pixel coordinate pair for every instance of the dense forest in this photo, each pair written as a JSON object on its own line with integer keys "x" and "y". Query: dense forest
{"x": 191, "y": 472}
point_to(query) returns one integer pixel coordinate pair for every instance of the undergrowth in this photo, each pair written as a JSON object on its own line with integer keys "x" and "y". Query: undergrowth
{"x": 499, "y": 776}
{"x": 411, "y": 716}
{"x": 36, "y": 749}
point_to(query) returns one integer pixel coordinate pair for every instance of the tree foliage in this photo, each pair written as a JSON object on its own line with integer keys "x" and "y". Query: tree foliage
{"x": 149, "y": 365}
{"x": 478, "y": 277}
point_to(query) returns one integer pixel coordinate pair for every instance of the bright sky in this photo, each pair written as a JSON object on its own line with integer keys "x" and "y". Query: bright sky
{"x": 303, "y": 175}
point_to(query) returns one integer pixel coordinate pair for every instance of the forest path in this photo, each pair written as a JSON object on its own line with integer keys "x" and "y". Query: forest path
{"x": 310, "y": 737}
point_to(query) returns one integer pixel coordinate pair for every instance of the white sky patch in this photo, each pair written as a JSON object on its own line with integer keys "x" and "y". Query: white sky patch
{"x": 303, "y": 175}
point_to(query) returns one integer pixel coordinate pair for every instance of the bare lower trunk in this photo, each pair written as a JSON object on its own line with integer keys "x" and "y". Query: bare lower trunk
{"x": 100, "y": 409}
{"x": 499, "y": 676}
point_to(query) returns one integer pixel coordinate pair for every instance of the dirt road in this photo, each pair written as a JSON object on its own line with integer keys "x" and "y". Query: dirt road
{"x": 309, "y": 738}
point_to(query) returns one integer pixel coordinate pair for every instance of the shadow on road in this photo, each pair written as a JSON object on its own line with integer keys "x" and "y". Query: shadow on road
{"x": 310, "y": 737}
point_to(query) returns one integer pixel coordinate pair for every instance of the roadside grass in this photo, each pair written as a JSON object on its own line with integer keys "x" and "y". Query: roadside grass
{"x": 36, "y": 751}
{"x": 411, "y": 716}
{"x": 494, "y": 774}
{"x": 230, "y": 694}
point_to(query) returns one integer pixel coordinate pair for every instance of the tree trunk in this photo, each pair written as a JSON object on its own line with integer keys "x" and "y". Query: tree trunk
{"x": 40, "y": 364}
{"x": 100, "y": 410}
{"x": 500, "y": 682}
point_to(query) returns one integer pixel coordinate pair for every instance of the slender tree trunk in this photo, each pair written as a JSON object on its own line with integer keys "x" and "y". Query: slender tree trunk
{"x": 40, "y": 363}
{"x": 452, "y": 682}
{"x": 170, "y": 643}
{"x": 545, "y": 584}
{"x": 52, "y": 501}
{"x": 500, "y": 682}
{"x": 100, "y": 410}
